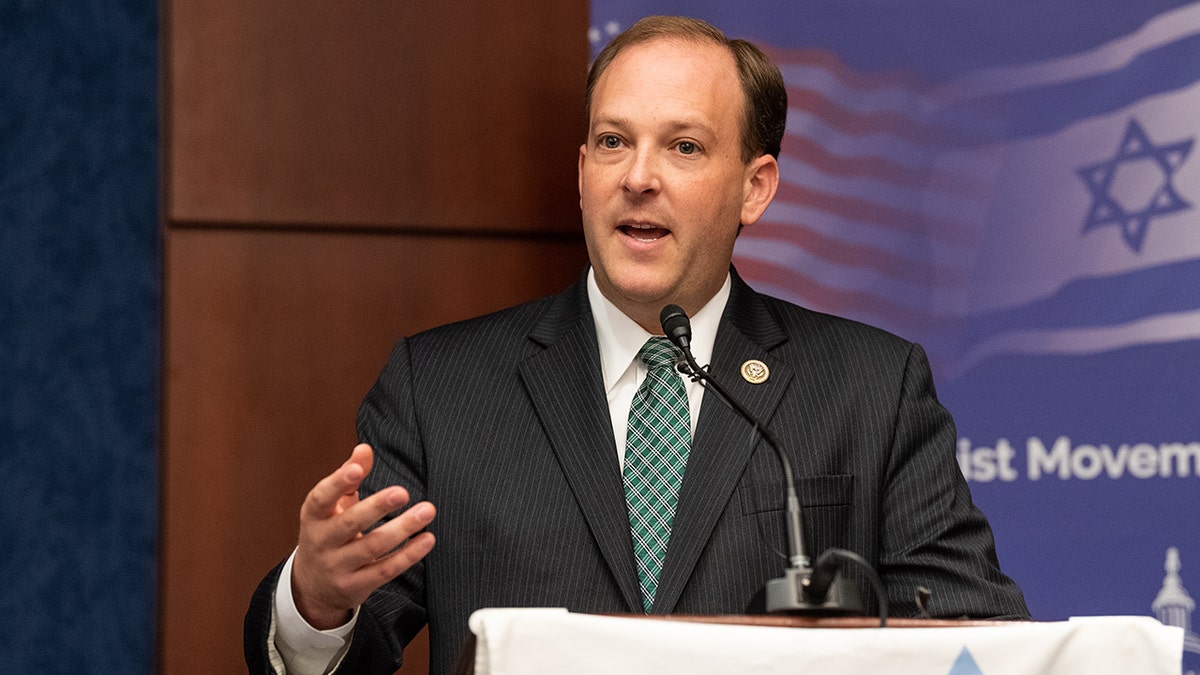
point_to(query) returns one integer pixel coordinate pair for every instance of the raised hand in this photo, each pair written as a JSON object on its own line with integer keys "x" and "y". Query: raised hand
{"x": 337, "y": 564}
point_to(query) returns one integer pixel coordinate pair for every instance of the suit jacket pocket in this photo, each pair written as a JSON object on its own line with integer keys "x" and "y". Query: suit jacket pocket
{"x": 825, "y": 510}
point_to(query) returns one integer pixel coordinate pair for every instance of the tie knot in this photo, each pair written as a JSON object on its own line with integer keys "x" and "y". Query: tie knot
{"x": 658, "y": 352}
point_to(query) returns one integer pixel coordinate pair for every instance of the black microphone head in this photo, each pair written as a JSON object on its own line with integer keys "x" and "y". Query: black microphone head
{"x": 676, "y": 326}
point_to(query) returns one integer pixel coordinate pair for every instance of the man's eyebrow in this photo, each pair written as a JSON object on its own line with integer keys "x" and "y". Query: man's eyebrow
{"x": 692, "y": 125}
{"x": 611, "y": 121}
{"x": 675, "y": 126}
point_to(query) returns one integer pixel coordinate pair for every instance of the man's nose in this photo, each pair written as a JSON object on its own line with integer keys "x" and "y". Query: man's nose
{"x": 643, "y": 173}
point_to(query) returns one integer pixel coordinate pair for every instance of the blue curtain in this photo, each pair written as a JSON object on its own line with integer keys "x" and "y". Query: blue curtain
{"x": 79, "y": 335}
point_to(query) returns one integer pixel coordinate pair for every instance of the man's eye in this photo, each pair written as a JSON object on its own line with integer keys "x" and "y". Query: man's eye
{"x": 687, "y": 147}
{"x": 610, "y": 142}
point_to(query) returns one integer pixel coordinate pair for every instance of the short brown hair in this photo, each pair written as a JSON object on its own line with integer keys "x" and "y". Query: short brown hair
{"x": 762, "y": 84}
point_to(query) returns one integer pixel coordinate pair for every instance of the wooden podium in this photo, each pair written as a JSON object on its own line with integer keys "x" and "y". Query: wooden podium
{"x": 535, "y": 641}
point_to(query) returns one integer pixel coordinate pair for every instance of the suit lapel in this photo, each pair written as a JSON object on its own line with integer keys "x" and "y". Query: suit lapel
{"x": 567, "y": 391}
{"x": 722, "y": 445}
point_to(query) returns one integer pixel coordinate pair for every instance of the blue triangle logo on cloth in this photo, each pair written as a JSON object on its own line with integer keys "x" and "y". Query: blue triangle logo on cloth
{"x": 965, "y": 664}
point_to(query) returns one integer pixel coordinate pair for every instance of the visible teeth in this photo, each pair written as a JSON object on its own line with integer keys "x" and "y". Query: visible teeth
{"x": 644, "y": 231}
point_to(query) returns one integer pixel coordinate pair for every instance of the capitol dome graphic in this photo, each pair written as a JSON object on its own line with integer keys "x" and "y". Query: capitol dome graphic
{"x": 1173, "y": 607}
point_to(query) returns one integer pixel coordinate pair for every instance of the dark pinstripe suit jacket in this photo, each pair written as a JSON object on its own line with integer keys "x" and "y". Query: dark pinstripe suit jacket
{"x": 502, "y": 422}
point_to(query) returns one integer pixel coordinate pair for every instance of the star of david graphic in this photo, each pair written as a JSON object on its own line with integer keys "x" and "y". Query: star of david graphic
{"x": 1133, "y": 154}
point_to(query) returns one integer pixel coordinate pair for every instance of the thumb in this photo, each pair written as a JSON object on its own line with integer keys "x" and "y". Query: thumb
{"x": 363, "y": 456}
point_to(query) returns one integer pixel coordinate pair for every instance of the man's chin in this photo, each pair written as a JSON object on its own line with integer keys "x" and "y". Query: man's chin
{"x": 645, "y": 307}
{"x": 642, "y": 291}
{"x": 635, "y": 286}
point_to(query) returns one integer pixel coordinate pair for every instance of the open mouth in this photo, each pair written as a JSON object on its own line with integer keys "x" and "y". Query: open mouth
{"x": 643, "y": 232}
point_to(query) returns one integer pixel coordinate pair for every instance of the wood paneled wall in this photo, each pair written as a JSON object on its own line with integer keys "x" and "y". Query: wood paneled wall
{"x": 334, "y": 176}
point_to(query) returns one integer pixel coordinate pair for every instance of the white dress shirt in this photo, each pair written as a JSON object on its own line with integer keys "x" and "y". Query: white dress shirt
{"x": 296, "y": 647}
{"x": 620, "y": 338}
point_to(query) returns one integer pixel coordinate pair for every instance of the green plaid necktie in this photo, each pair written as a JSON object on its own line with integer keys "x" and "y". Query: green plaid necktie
{"x": 656, "y": 451}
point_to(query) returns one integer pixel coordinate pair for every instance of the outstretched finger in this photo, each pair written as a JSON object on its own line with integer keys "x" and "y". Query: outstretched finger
{"x": 385, "y": 539}
{"x": 396, "y": 562}
{"x": 367, "y": 514}
{"x": 322, "y": 500}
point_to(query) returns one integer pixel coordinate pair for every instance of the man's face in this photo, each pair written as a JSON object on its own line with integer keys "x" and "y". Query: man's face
{"x": 662, "y": 184}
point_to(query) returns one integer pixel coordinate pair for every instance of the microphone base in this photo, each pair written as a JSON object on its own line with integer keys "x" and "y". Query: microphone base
{"x": 788, "y": 595}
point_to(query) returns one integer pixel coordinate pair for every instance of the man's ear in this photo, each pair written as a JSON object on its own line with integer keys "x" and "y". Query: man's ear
{"x": 582, "y": 156}
{"x": 761, "y": 182}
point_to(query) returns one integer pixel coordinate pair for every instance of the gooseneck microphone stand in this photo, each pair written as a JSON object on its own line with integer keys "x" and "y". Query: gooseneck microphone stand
{"x": 804, "y": 589}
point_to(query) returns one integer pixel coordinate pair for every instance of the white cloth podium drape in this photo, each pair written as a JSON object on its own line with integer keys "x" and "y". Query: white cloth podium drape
{"x": 536, "y": 641}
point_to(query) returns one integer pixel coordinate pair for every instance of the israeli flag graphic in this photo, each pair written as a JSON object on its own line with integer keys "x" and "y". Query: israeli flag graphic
{"x": 1093, "y": 236}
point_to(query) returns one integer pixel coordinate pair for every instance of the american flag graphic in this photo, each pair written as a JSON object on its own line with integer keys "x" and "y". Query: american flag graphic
{"x": 872, "y": 219}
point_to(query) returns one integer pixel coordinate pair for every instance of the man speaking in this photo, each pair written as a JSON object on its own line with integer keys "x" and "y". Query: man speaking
{"x": 570, "y": 464}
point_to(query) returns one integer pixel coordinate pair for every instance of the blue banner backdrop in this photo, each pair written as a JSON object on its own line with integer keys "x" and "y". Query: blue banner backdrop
{"x": 1014, "y": 185}
{"x": 78, "y": 335}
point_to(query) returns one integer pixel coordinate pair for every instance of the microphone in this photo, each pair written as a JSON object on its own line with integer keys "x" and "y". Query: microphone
{"x": 677, "y": 327}
{"x": 800, "y": 590}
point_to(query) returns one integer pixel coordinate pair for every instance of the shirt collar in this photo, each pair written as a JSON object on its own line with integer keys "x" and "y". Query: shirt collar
{"x": 620, "y": 337}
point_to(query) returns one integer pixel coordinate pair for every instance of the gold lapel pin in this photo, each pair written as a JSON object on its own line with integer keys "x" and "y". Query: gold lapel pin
{"x": 755, "y": 371}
